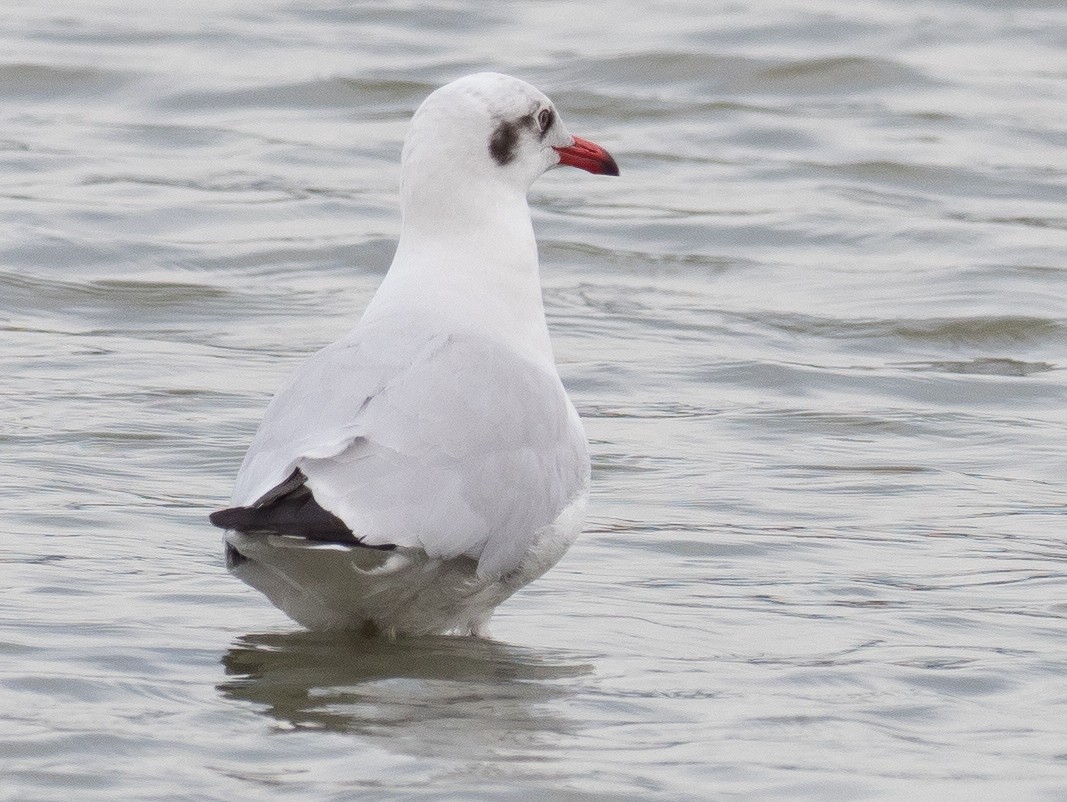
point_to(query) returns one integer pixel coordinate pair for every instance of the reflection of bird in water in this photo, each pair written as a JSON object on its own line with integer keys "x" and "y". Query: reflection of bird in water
{"x": 451, "y": 695}
{"x": 413, "y": 475}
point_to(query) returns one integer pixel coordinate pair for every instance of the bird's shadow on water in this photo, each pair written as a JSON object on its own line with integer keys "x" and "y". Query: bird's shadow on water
{"x": 433, "y": 696}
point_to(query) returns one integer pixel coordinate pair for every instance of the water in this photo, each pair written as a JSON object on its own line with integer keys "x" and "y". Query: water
{"x": 816, "y": 330}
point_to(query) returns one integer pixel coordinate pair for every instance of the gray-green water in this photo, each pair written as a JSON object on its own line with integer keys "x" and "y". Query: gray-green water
{"x": 817, "y": 330}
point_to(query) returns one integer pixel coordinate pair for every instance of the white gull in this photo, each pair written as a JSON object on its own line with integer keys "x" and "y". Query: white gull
{"x": 413, "y": 475}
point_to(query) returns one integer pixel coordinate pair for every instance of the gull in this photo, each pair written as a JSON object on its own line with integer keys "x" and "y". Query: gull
{"x": 413, "y": 475}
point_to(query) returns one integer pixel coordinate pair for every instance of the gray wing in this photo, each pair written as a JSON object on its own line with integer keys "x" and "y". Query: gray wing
{"x": 449, "y": 443}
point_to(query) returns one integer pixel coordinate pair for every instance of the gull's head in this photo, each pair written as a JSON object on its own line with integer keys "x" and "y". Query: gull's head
{"x": 487, "y": 130}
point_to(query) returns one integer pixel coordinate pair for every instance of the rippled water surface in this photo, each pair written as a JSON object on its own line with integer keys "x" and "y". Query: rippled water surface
{"x": 816, "y": 329}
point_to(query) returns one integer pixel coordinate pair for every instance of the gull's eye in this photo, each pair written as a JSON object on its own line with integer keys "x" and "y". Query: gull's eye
{"x": 544, "y": 119}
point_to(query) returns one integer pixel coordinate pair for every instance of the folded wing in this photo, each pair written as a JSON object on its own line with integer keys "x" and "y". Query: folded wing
{"x": 419, "y": 449}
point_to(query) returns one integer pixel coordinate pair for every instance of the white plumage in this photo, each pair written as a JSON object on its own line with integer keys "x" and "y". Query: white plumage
{"x": 438, "y": 426}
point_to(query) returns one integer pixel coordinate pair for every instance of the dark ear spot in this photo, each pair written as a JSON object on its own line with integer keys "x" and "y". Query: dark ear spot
{"x": 503, "y": 142}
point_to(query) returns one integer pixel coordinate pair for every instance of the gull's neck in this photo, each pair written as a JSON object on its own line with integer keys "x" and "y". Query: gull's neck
{"x": 468, "y": 260}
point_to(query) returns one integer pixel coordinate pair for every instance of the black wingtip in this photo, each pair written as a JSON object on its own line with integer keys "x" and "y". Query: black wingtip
{"x": 299, "y": 517}
{"x": 225, "y": 519}
{"x": 290, "y": 509}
